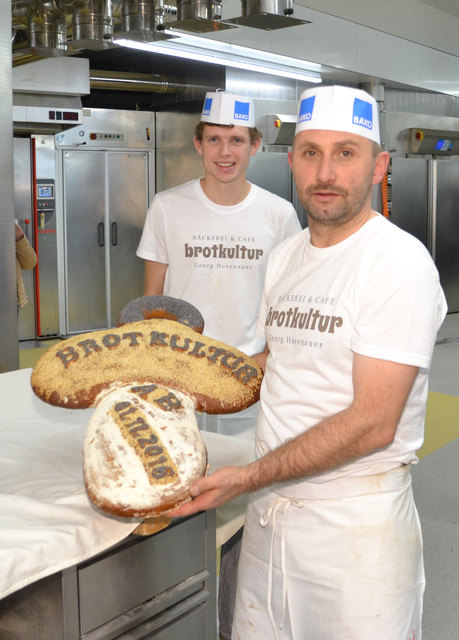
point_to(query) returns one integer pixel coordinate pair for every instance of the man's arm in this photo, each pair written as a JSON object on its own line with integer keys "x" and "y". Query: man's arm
{"x": 155, "y": 274}
{"x": 260, "y": 358}
{"x": 381, "y": 389}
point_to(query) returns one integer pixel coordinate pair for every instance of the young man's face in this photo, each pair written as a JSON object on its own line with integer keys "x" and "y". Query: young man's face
{"x": 225, "y": 152}
{"x": 334, "y": 173}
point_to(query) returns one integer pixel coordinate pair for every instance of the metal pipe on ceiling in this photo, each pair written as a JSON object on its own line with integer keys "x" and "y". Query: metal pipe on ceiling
{"x": 92, "y": 19}
{"x": 203, "y": 9}
{"x": 45, "y": 22}
{"x": 143, "y": 15}
{"x": 129, "y": 81}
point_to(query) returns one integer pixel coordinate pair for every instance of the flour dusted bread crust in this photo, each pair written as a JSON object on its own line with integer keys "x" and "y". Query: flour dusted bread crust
{"x": 142, "y": 451}
{"x": 219, "y": 378}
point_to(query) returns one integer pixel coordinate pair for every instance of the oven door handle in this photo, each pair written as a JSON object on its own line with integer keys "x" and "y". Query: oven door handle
{"x": 101, "y": 234}
{"x": 114, "y": 234}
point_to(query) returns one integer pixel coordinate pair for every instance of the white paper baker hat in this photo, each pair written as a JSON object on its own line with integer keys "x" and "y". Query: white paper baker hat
{"x": 337, "y": 108}
{"x": 226, "y": 108}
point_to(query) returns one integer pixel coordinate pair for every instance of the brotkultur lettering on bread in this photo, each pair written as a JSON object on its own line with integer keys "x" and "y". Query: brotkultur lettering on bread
{"x": 221, "y": 379}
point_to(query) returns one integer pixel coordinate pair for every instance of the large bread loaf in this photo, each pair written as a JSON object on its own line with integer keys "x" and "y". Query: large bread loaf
{"x": 220, "y": 378}
{"x": 142, "y": 451}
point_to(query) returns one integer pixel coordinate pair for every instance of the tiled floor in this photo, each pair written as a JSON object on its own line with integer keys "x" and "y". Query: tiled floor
{"x": 31, "y": 350}
{"x": 444, "y": 374}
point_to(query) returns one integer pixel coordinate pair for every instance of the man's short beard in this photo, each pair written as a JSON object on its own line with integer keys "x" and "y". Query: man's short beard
{"x": 335, "y": 217}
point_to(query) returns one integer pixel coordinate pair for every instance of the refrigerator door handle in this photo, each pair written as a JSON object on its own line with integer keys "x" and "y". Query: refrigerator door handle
{"x": 114, "y": 234}
{"x": 101, "y": 234}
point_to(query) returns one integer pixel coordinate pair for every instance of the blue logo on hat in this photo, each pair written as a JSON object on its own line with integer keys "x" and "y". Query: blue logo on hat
{"x": 207, "y": 107}
{"x": 241, "y": 110}
{"x": 362, "y": 114}
{"x": 306, "y": 109}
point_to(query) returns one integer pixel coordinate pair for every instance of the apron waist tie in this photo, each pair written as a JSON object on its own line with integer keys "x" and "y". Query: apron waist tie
{"x": 284, "y": 505}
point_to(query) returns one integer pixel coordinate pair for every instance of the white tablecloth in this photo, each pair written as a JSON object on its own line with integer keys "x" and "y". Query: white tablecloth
{"x": 47, "y": 522}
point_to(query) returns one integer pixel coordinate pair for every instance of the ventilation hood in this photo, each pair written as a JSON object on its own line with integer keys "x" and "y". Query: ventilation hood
{"x": 47, "y": 94}
{"x": 268, "y": 15}
{"x": 63, "y": 27}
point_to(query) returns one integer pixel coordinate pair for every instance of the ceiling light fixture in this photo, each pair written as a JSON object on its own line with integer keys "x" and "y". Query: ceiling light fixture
{"x": 229, "y": 55}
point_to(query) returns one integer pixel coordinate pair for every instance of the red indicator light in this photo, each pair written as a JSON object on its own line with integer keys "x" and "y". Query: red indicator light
{"x": 70, "y": 115}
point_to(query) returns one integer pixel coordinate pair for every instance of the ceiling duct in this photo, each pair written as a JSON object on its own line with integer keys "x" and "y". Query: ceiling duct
{"x": 45, "y": 24}
{"x": 143, "y": 15}
{"x": 268, "y": 15}
{"x": 206, "y": 9}
{"x": 199, "y": 16}
{"x": 57, "y": 27}
{"x": 143, "y": 20}
{"x": 92, "y": 23}
{"x": 47, "y": 28}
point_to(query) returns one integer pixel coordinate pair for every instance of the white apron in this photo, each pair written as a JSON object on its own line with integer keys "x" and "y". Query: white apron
{"x": 343, "y": 563}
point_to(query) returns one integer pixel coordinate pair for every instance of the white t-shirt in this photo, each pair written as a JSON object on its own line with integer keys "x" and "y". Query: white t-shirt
{"x": 217, "y": 255}
{"x": 377, "y": 293}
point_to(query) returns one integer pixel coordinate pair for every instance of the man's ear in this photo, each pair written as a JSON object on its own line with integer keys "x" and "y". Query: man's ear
{"x": 255, "y": 147}
{"x": 197, "y": 145}
{"x": 381, "y": 162}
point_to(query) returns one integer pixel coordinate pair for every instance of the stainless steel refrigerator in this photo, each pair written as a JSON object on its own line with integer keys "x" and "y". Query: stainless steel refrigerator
{"x": 425, "y": 202}
{"x": 107, "y": 176}
{"x": 36, "y": 213}
{"x": 82, "y": 196}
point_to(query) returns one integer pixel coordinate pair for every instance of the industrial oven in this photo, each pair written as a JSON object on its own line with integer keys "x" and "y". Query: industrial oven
{"x": 424, "y": 188}
{"x": 81, "y": 196}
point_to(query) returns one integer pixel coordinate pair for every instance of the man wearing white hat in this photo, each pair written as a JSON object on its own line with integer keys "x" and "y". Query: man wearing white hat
{"x": 208, "y": 242}
{"x": 332, "y": 546}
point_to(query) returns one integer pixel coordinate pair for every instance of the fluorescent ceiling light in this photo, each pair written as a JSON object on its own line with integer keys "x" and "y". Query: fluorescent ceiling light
{"x": 229, "y": 55}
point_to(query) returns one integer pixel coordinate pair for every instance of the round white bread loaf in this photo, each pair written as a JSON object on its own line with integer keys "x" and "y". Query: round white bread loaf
{"x": 142, "y": 450}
